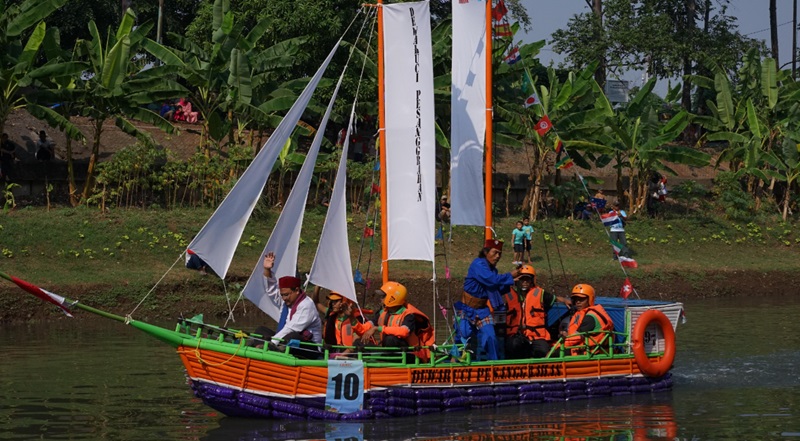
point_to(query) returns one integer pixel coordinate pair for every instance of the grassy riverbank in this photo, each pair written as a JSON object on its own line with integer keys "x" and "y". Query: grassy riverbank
{"x": 114, "y": 258}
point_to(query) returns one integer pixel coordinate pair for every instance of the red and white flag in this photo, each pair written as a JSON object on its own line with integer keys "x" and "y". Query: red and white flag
{"x": 627, "y": 262}
{"x": 531, "y": 100}
{"x": 499, "y": 11}
{"x": 45, "y": 295}
{"x": 627, "y": 288}
{"x": 543, "y": 126}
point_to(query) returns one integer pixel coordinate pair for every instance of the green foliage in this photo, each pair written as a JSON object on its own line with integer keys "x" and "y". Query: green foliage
{"x": 731, "y": 198}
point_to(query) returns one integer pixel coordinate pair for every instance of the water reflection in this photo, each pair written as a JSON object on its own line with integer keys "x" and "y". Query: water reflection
{"x": 615, "y": 419}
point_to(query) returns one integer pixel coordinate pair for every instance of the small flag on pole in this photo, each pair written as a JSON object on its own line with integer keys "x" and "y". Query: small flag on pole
{"x": 564, "y": 163}
{"x": 513, "y": 55}
{"x": 376, "y": 189}
{"x": 531, "y": 100}
{"x": 499, "y": 11}
{"x": 627, "y": 262}
{"x": 559, "y": 146}
{"x": 503, "y": 30}
{"x": 543, "y": 126}
{"x": 627, "y": 288}
{"x": 45, "y": 295}
{"x": 368, "y": 232}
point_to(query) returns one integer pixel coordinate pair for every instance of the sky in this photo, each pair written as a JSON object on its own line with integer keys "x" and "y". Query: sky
{"x": 752, "y": 17}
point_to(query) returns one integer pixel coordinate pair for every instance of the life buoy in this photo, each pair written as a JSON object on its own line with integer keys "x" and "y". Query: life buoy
{"x": 646, "y": 365}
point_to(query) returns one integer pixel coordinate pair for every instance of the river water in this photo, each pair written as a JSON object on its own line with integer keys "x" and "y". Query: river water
{"x": 735, "y": 377}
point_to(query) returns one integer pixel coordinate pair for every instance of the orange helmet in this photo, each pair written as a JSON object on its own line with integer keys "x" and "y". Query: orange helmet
{"x": 584, "y": 290}
{"x": 395, "y": 294}
{"x": 527, "y": 270}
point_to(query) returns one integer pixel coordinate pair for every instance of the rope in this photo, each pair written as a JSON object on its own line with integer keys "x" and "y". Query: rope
{"x": 240, "y": 335}
{"x": 130, "y": 314}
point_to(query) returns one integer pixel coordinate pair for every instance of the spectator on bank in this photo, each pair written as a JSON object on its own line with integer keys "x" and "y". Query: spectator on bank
{"x": 582, "y": 210}
{"x": 45, "y": 150}
{"x": 443, "y": 213}
{"x": 7, "y": 157}
{"x": 167, "y": 111}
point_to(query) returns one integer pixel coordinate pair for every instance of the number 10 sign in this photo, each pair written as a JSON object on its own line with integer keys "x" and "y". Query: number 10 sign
{"x": 345, "y": 392}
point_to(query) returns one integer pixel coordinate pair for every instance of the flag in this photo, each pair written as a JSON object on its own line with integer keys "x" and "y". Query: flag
{"x": 531, "y": 100}
{"x": 543, "y": 126}
{"x": 627, "y": 262}
{"x": 376, "y": 189}
{"x": 627, "y": 288}
{"x": 358, "y": 277}
{"x": 598, "y": 203}
{"x": 559, "y": 146}
{"x": 610, "y": 219}
{"x": 45, "y": 295}
{"x": 503, "y": 30}
{"x": 527, "y": 83}
{"x": 368, "y": 232}
{"x": 499, "y": 11}
{"x": 439, "y": 234}
{"x": 565, "y": 163}
{"x": 444, "y": 311}
{"x": 513, "y": 55}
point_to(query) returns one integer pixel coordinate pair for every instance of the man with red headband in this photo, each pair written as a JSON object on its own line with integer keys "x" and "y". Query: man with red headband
{"x": 299, "y": 317}
{"x": 483, "y": 285}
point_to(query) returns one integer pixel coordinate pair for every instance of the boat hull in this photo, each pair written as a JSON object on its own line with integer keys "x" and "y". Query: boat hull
{"x": 241, "y": 386}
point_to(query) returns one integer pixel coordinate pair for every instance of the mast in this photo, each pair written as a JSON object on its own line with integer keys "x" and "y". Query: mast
{"x": 382, "y": 148}
{"x": 489, "y": 135}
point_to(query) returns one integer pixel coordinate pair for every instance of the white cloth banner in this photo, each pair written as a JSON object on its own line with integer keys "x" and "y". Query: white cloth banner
{"x": 468, "y": 114}
{"x": 285, "y": 238}
{"x": 217, "y": 240}
{"x": 410, "y": 133}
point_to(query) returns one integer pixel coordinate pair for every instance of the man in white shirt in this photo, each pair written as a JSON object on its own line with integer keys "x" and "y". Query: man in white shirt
{"x": 302, "y": 320}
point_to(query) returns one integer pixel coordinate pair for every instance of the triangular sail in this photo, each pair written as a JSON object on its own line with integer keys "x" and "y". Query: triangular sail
{"x": 467, "y": 117}
{"x": 332, "y": 268}
{"x": 217, "y": 240}
{"x": 410, "y": 132}
{"x": 285, "y": 238}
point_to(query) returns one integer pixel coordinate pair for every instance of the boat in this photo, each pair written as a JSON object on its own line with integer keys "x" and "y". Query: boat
{"x": 267, "y": 381}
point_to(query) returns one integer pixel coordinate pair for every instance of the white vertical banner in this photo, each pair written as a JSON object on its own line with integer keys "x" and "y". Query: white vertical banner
{"x": 468, "y": 114}
{"x": 410, "y": 135}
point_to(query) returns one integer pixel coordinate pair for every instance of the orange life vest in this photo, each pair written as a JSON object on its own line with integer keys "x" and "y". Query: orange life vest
{"x": 423, "y": 335}
{"x": 513, "y": 316}
{"x": 535, "y": 317}
{"x": 593, "y": 338}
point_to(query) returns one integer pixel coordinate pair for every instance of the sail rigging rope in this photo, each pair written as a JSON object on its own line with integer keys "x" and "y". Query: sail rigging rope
{"x": 180, "y": 257}
{"x": 241, "y": 335}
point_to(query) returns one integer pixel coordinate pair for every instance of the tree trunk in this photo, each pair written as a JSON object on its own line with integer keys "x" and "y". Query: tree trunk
{"x": 73, "y": 189}
{"x": 773, "y": 29}
{"x": 600, "y": 73}
{"x": 786, "y": 200}
{"x": 686, "y": 97}
{"x": 89, "y": 184}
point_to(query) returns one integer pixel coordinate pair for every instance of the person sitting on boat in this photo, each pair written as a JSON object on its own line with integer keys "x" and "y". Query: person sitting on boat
{"x": 344, "y": 323}
{"x": 589, "y": 326}
{"x": 526, "y": 324}
{"x": 483, "y": 285}
{"x": 299, "y": 317}
{"x": 398, "y": 324}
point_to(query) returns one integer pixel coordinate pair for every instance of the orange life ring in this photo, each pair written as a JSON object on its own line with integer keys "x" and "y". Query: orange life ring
{"x": 647, "y": 366}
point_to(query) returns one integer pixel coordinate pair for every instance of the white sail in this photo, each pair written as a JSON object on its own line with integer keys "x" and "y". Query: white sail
{"x": 410, "y": 131}
{"x": 217, "y": 240}
{"x": 332, "y": 268}
{"x": 468, "y": 114}
{"x": 285, "y": 238}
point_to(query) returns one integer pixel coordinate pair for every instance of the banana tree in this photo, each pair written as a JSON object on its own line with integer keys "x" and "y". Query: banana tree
{"x": 641, "y": 143}
{"x": 22, "y": 33}
{"x": 573, "y": 104}
{"x": 786, "y": 164}
{"x": 227, "y": 81}
{"x": 119, "y": 84}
